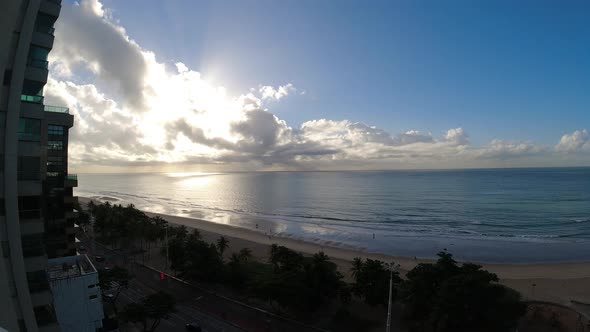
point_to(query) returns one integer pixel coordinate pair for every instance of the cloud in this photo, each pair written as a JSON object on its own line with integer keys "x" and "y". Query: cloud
{"x": 270, "y": 93}
{"x": 457, "y": 136}
{"x": 577, "y": 141}
{"x": 87, "y": 37}
{"x": 500, "y": 149}
{"x": 132, "y": 110}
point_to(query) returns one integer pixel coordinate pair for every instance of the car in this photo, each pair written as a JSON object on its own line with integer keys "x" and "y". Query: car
{"x": 99, "y": 258}
{"x": 194, "y": 326}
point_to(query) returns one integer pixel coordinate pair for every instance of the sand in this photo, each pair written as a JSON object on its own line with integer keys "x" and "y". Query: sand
{"x": 553, "y": 282}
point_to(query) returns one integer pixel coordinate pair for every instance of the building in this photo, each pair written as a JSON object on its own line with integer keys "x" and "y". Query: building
{"x": 76, "y": 293}
{"x": 35, "y": 189}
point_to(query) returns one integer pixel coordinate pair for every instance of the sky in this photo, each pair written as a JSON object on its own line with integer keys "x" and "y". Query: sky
{"x": 322, "y": 85}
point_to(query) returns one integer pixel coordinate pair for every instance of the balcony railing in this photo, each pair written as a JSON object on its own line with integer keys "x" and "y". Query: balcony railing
{"x": 42, "y": 64}
{"x": 56, "y": 109}
{"x": 32, "y": 99}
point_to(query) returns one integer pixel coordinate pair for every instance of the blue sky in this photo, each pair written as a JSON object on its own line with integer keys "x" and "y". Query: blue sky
{"x": 500, "y": 69}
{"x": 323, "y": 84}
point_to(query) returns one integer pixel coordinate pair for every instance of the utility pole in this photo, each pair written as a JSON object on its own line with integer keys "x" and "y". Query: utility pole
{"x": 167, "y": 257}
{"x": 391, "y": 267}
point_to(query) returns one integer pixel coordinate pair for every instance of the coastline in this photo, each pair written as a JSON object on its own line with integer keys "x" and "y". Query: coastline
{"x": 553, "y": 282}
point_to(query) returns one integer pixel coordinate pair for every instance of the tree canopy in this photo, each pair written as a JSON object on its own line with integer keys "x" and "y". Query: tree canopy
{"x": 445, "y": 296}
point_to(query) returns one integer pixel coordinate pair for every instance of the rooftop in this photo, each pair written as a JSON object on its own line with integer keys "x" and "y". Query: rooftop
{"x": 69, "y": 267}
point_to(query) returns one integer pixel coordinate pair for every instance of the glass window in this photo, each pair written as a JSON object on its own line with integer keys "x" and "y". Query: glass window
{"x": 29, "y": 207}
{"x": 55, "y": 130}
{"x": 44, "y": 23}
{"x": 33, "y": 88}
{"x": 29, "y": 129}
{"x": 29, "y": 168}
{"x": 38, "y": 56}
{"x": 55, "y": 145}
{"x": 38, "y": 281}
{"x": 33, "y": 245}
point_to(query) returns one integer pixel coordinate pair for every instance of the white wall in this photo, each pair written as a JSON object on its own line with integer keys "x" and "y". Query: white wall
{"x": 76, "y": 312}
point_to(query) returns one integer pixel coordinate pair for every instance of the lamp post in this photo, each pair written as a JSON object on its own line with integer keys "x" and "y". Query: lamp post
{"x": 392, "y": 267}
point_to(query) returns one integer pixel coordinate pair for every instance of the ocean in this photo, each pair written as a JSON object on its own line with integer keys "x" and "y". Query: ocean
{"x": 485, "y": 215}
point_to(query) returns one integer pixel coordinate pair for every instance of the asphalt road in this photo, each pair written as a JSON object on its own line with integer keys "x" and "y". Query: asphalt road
{"x": 214, "y": 313}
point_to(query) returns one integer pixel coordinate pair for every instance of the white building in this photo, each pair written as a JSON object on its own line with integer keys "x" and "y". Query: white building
{"x": 76, "y": 293}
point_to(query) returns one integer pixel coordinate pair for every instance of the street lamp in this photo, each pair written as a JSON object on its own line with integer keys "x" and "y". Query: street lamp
{"x": 392, "y": 266}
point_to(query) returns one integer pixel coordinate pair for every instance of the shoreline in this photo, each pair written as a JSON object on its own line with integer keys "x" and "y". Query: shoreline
{"x": 552, "y": 282}
{"x": 559, "y": 270}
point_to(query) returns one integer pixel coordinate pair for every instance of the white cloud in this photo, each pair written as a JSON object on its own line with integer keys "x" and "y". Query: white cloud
{"x": 270, "y": 93}
{"x": 577, "y": 141}
{"x": 138, "y": 111}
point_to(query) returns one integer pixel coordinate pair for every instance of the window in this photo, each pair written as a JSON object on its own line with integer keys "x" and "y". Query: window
{"x": 92, "y": 297}
{"x": 33, "y": 88}
{"x": 33, "y": 245}
{"x": 38, "y": 56}
{"x": 29, "y": 207}
{"x": 29, "y": 129}
{"x": 7, "y": 77}
{"x": 44, "y": 23}
{"x": 45, "y": 315}
{"x": 55, "y": 130}
{"x": 55, "y": 145}
{"x": 55, "y": 164}
{"x": 37, "y": 281}
{"x": 2, "y": 207}
{"x": 5, "y": 249}
{"x": 29, "y": 168}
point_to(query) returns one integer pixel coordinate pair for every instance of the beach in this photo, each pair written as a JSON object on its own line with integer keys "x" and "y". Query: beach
{"x": 553, "y": 282}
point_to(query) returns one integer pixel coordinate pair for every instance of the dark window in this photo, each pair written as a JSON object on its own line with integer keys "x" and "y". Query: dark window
{"x": 55, "y": 130}
{"x": 29, "y": 129}
{"x": 44, "y": 23}
{"x": 55, "y": 164}
{"x": 45, "y": 315}
{"x": 38, "y": 281}
{"x": 29, "y": 207}
{"x": 2, "y": 207}
{"x": 92, "y": 297}
{"x": 33, "y": 245}
{"x": 33, "y": 88}
{"x": 38, "y": 56}
{"x": 55, "y": 145}
{"x": 22, "y": 327}
{"x": 91, "y": 286}
{"x": 5, "y": 249}
{"x": 29, "y": 168}
{"x": 7, "y": 77}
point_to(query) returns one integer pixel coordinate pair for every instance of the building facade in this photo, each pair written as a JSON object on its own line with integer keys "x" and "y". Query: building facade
{"x": 76, "y": 293}
{"x": 36, "y": 203}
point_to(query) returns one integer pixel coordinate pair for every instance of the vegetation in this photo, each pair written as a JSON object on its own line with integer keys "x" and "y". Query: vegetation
{"x": 371, "y": 281}
{"x": 438, "y": 297}
{"x": 446, "y": 296}
{"x": 154, "y": 308}
{"x": 113, "y": 280}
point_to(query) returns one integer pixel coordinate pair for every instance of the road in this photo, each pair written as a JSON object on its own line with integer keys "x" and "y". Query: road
{"x": 214, "y": 313}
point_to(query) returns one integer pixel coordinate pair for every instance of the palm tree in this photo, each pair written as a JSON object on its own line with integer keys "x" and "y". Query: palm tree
{"x": 222, "y": 244}
{"x": 357, "y": 266}
{"x": 245, "y": 254}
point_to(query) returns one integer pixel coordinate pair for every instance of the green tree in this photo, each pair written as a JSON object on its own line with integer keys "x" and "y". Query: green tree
{"x": 446, "y": 296}
{"x": 372, "y": 281}
{"x": 114, "y": 281}
{"x": 154, "y": 307}
{"x": 222, "y": 244}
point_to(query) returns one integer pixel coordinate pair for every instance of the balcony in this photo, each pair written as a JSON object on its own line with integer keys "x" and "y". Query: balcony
{"x": 57, "y": 109}
{"x": 32, "y": 99}
{"x": 71, "y": 199}
{"x": 71, "y": 180}
{"x": 51, "y": 7}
